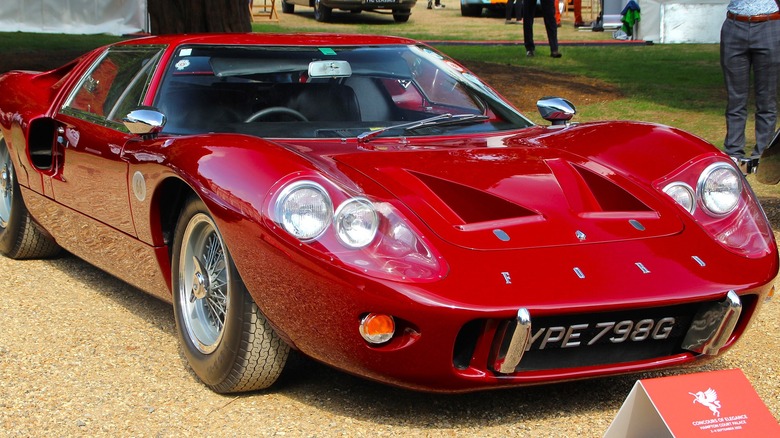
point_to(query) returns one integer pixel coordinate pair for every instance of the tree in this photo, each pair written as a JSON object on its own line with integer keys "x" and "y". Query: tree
{"x": 196, "y": 16}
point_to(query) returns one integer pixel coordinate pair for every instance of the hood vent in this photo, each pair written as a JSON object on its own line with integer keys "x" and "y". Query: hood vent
{"x": 608, "y": 196}
{"x": 472, "y": 205}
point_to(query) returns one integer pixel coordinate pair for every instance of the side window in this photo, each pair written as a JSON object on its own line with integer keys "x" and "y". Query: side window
{"x": 115, "y": 84}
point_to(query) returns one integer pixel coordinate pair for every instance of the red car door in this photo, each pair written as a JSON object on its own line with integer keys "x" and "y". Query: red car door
{"x": 93, "y": 177}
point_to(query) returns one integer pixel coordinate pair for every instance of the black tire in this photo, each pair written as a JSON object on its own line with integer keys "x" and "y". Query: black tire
{"x": 227, "y": 340}
{"x": 402, "y": 16}
{"x": 20, "y": 236}
{"x": 470, "y": 10}
{"x": 322, "y": 13}
{"x": 288, "y": 8}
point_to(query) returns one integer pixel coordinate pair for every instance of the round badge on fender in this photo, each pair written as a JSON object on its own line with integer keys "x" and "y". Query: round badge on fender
{"x": 139, "y": 186}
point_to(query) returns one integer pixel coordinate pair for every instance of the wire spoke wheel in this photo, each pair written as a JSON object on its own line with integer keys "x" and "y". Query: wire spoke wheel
{"x": 204, "y": 282}
{"x": 227, "y": 340}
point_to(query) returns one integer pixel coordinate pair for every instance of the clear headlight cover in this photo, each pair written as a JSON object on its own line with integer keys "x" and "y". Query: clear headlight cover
{"x": 720, "y": 187}
{"x": 682, "y": 194}
{"x": 356, "y": 222}
{"x": 304, "y": 210}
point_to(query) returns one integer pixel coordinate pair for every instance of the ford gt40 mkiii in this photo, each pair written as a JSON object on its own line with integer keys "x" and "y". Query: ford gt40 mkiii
{"x": 370, "y": 203}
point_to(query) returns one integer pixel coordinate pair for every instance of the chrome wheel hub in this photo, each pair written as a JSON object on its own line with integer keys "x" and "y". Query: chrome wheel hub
{"x": 200, "y": 283}
{"x": 4, "y": 180}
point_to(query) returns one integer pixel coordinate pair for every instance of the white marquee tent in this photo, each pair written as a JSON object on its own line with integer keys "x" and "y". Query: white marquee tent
{"x": 672, "y": 21}
{"x": 681, "y": 21}
{"x": 116, "y": 17}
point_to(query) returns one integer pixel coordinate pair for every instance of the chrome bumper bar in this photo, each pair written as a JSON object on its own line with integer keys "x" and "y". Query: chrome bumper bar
{"x": 712, "y": 326}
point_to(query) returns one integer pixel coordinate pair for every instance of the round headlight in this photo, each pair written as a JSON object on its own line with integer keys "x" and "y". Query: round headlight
{"x": 720, "y": 186}
{"x": 304, "y": 210}
{"x": 682, "y": 194}
{"x": 356, "y": 222}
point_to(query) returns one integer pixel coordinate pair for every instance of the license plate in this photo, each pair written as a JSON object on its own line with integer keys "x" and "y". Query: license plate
{"x": 380, "y": 2}
{"x": 602, "y": 332}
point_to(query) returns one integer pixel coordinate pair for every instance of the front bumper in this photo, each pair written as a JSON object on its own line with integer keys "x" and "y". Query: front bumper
{"x": 708, "y": 331}
{"x": 367, "y": 5}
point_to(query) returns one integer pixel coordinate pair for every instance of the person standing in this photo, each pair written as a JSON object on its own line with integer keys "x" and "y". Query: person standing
{"x": 548, "y": 14}
{"x": 517, "y": 8}
{"x": 578, "y": 14}
{"x": 750, "y": 40}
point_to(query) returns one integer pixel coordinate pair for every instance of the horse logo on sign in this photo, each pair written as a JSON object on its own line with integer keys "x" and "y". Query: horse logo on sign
{"x": 708, "y": 398}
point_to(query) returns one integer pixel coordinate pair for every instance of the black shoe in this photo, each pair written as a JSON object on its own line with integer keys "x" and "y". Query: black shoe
{"x": 555, "y": 55}
{"x": 580, "y": 24}
{"x": 529, "y": 53}
{"x": 430, "y": 4}
{"x": 748, "y": 165}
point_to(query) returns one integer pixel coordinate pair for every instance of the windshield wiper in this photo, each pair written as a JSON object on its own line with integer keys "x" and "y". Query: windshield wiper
{"x": 439, "y": 120}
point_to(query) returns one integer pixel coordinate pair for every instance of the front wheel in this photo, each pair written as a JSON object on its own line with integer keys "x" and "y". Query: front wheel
{"x": 322, "y": 13}
{"x": 401, "y": 16}
{"x": 470, "y": 10}
{"x": 20, "y": 237}
{"x": 227, "y": 340}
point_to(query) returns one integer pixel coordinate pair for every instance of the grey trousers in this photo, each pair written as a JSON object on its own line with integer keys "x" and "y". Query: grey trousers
{"x": 744, "y": 47}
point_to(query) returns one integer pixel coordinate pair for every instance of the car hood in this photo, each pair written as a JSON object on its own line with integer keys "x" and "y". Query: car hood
{"x": 518, "y": 197}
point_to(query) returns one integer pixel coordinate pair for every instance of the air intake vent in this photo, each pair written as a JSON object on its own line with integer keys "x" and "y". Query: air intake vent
{"x": 472, "y": 205}
{"x": 608, "y": 195}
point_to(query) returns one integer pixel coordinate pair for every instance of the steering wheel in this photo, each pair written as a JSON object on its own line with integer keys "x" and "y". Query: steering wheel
{"x": 276, "y": 110}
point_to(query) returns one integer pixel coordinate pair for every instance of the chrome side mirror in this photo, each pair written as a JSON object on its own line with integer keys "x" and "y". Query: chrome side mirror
{"x": 145, "y": 121}
{"x": 769, "y": 172}
{"x": 556, "y": 110}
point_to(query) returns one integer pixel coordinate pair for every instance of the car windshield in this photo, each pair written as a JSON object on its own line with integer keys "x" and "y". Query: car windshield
{"x": 311, "y": 92}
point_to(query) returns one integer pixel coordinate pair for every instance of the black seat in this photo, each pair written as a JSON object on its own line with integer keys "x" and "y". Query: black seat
{"x": 320, "y": 101}
{"x": 198, "y": 109}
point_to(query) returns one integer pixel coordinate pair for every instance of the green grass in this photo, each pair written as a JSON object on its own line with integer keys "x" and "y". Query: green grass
{"x": 20, "y": 42}
{"x": 677, "y": 85}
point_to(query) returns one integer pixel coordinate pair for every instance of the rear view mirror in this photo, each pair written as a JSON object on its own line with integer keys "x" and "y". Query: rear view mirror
{"x": 145, "y": 121}
{"x": 330, "y": 69}
{"x": 556, "y": 110}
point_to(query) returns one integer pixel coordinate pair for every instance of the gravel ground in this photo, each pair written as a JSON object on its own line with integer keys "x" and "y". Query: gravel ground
{"x": 83, "y": 354}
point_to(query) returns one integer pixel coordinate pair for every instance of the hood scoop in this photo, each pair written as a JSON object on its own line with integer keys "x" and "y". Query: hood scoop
{"x": 462, "y": 200}
{"x": 513, "y": 199}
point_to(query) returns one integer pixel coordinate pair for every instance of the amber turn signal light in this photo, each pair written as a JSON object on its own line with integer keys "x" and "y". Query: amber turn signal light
{"x": 377, "y": 328}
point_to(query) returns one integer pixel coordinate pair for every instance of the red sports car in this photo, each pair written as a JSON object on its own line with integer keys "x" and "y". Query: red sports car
{"x": 372, "y": 204}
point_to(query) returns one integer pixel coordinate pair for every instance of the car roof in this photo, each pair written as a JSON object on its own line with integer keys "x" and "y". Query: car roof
{"x": 272, "y": 39}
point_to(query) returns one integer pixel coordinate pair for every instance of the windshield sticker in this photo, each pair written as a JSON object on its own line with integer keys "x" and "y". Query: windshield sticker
{"x": 181, "y": 65}
{"x": 185, "y": 52}
{"x": 327, "y": 51}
